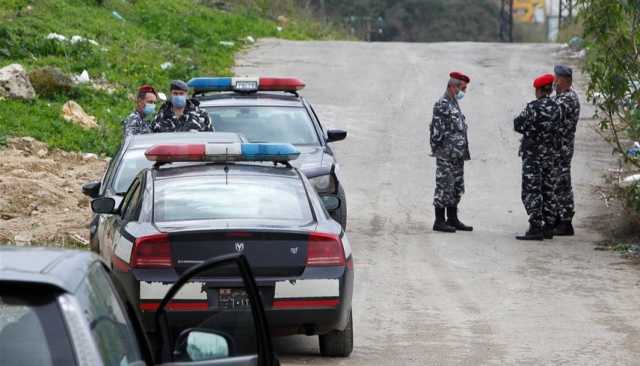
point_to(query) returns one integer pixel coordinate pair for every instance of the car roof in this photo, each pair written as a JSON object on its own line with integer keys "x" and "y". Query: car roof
{"x": 147, "y": 140}
{"x": 218, "y": 169}
{"x": 259, "y": 99}
{"x": 61, "y": 268}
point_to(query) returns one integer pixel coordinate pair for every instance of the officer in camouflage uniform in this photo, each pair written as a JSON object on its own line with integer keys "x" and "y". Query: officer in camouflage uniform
{"x": 539, "y": 125}
{"x": 568, "y": 101}
{"x": 450, "y": 147}
{"x": 180, "y": 113}
{"x": 136, "y": 123}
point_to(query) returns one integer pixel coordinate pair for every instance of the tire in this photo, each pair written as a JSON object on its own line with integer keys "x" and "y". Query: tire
{"x": 338, "y": 343}
{"x": 340, "y": 215}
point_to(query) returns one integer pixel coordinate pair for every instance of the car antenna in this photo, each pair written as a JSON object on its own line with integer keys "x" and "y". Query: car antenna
{"x": 226, "y": 166}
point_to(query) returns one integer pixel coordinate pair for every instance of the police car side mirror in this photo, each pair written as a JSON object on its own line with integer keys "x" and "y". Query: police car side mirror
{"x": 331, "y": 203}
{"x": 91, "y": 189}
{"x": 104, "y": 205}
{"x": 201, "y": 345}
{"x": 336, "y": 135}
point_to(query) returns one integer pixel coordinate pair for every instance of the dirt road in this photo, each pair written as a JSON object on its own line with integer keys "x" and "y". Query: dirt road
{"x": 478, "y": 298}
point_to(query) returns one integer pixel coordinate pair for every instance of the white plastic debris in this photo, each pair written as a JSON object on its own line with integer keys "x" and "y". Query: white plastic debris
{"x": 279, "y": 29}
{"x": 166, "y": 66}
{"x": 227, "y": 43}
{"x": 89, "y": 156}
{"x": 82, "y": 78}
{"x": 162, "y": 96}
{"x": 117, "y": 15}
{"x": 57, "y": 37}
{"x": 93, "y": 42}
{"x": 630, "y": 180}
{"x": 77, "y": 39}
{"x": 251, "y": 39}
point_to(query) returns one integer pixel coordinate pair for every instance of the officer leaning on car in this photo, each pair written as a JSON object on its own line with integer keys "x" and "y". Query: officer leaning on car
{"x": 180, "y": 113}
{"x": 138, "y": 121}
{"x": 450, "y": 147}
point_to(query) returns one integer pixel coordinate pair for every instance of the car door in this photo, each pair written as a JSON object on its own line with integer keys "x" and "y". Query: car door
{"x": 115, "y": 242}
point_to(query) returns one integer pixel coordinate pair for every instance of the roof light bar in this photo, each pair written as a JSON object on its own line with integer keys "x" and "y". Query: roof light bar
{"x": 245, "y": 84}
{"x": 222, "y": 152}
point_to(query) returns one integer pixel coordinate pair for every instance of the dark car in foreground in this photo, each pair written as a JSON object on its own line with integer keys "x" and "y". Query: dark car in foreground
{"x": 61, "y": 307}
{"x": 233, "y": 198}
{"x": 271, "y": 110}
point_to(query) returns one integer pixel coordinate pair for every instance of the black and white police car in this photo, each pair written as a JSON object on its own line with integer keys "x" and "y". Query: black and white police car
{"x": 208, "y": 199}
{"x": 61, "y": 307}
{"x": 270, "y": 109}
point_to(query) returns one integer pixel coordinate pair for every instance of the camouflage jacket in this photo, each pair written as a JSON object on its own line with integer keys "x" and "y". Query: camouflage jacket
{"x": 193, "y": 118}
{"x": 539, "y": 125}
{"x": 570, "y": 105}
{"x": 135, "y": 124}
{"x": 448, "y": 131}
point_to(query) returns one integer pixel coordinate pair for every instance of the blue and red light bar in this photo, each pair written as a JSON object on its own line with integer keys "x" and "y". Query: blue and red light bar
{"x": 222, "y": 152}
{"x": 245, "y": 85}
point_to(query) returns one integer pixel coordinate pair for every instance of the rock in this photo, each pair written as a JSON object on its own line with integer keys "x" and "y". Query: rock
{"x": 23, "y": 239}
{"x": 89, "y": 156}
{"x": 283, "y": 20}
{"x": 51, "y": 81}
{"x": 15, "y": 83}
{"x": 27, "y": 144}
{"x": 72, "y": 111}
{"x": 42, "y": 153}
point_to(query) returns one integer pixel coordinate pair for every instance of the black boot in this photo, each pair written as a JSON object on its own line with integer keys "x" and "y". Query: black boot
{"x": 534, "y": 233}
{"x": 564, "y": 228}
{"x": 440, "y": 224}
{"x": 452, "y": 220}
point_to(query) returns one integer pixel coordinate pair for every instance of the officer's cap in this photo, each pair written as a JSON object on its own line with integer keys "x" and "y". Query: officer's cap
{"x": 562, "y": 70}
{"x": 543, "y": 80}
{"x": 179, "y": 85}
{"x": 460, "y": 76}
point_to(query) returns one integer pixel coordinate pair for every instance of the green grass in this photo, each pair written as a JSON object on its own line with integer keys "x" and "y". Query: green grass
{"x": 130, "y": 52}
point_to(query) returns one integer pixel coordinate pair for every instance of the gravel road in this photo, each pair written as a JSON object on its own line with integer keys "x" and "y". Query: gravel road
{"x": 481, "y": 298}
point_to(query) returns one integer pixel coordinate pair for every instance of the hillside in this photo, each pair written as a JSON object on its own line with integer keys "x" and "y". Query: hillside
{"x": 124, "y": 44}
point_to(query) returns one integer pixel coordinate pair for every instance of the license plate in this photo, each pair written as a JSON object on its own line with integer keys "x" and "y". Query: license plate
{"x": 233, "y": 299}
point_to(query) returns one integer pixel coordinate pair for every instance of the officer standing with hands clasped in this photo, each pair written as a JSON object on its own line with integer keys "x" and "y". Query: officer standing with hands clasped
{"x": 180, "y": 114}
{"x": 450, "y": 147}
{"x": 539, "y": 125}
{"x": 569, "y": 103}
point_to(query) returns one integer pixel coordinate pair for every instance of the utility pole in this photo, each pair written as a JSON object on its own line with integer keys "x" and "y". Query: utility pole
{"x": 506, "y": 21}
{"x": 565, "y": 13}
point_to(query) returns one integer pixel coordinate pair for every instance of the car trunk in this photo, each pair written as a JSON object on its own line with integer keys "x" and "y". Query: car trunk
{"x": 270, "y": 253}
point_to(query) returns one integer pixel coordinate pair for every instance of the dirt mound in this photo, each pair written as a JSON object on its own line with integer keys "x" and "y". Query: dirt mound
{"x": 41, "y": 200}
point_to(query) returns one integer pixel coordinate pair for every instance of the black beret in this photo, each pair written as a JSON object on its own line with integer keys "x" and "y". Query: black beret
{"x": 562, "y": 70}
{"x": 179, "y": 85}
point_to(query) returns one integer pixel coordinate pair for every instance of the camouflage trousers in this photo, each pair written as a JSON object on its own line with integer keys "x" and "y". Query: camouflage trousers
{"x": 564, "y": 190}
{"x": 449, "y": 183}
{"x": 538, "y": 189}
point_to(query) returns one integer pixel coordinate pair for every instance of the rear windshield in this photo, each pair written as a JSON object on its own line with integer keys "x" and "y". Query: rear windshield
{"x": 131, "y": 164}
{"x": 32, "y": 330}
{"x": 266, "y": 124}
{"x": 211, "y": 198}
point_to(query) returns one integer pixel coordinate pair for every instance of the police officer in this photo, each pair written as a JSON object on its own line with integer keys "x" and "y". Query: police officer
{"x": 539, "y": 125}
{"x": 568, "y": 101}
{"x": 181, "y": 113}
{"x": 136, "y": 122}
{"x": 450, "y": 147}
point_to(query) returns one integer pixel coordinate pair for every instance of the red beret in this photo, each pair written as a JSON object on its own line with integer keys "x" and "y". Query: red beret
{"x": 147, "y": 89}
{"x": 544, "y": 80}
{"x": 460, "y": 76}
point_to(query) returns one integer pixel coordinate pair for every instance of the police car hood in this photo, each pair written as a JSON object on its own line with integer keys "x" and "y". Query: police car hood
{"x": 313, "y": 161}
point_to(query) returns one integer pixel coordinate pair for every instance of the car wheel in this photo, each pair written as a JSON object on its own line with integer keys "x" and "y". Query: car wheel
{"x": 340, "y": 215}
{"x": 338, "y": 343}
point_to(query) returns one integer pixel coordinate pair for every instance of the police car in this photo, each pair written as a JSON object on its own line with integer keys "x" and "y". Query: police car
{"x": 271, "y": 110}
{"x": 61, "y": 307}
{"x": 208, "y": 199}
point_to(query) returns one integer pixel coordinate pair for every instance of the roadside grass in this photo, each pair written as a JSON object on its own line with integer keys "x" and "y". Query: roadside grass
{"x": 129, "y": 53}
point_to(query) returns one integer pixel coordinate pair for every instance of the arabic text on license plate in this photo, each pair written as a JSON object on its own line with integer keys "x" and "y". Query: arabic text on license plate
{"x": 229, "y": 298}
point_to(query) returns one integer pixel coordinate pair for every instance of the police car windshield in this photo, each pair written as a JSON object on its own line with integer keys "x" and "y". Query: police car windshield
{"x": 132, "y": 163}
{"x": 266, "y": 124}
{"x": 239, "y": 198}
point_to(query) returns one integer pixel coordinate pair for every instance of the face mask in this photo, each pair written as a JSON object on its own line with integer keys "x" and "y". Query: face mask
{"x": 460, "y": 95}
{"x": 179, "y": 101}
{"x": 149, "y": 109}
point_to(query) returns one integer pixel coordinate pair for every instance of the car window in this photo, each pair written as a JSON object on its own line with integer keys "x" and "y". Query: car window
{"x": 214, "y": 198}
{"x": 32, "y": 329}
{"x": 133, "y": 162}
{"x": 266, "y": 124}
{"x": 110, "y": 327}
{"x": 131, "y": 203}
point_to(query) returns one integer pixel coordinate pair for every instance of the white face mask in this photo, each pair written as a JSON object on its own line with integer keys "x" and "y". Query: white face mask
{"x": 460, "y": 95}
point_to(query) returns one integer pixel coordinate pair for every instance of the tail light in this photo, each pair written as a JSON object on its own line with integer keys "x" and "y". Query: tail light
{"x": 153, "y": 251}
{"x": 325, "y": 250}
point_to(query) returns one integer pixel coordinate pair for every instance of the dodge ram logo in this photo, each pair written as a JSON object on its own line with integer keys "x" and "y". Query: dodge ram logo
{"x": 239, "y": 247}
